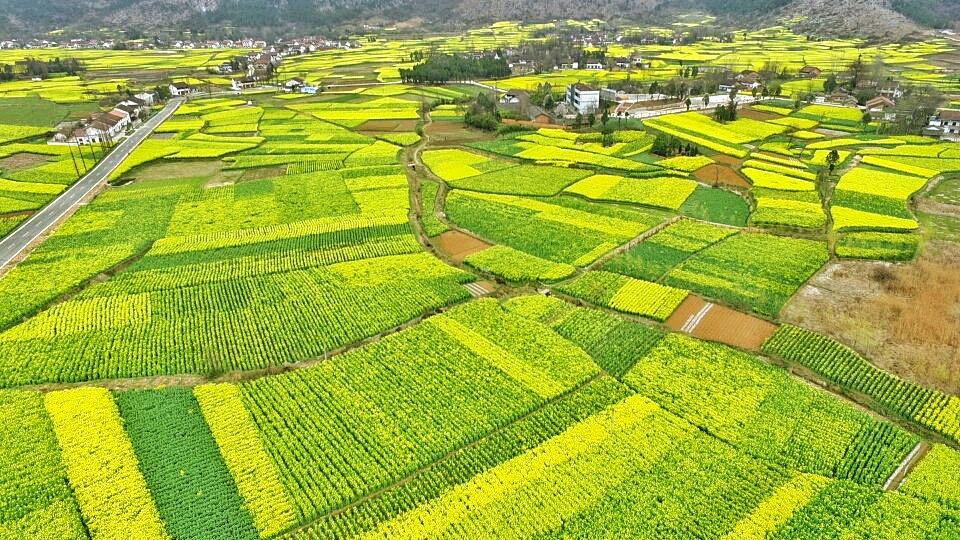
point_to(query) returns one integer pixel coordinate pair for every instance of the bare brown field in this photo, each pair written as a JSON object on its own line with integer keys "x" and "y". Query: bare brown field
{"x": 757, "y": 115}
{"x": 720, "y": 324}
{"x": 22, "y": 160}
{"x": 715, "y": 174}
{"x": 905, "y": 318}
{"x": 689, "y": 307}
{"x": 379, "y": 126}
{"x": 727, "y": 160}
{"x": 455, "y": 133}
{"x": 458, "y": 246}
{"x": 263, "y": 172}
{"x": 734, "y": 328}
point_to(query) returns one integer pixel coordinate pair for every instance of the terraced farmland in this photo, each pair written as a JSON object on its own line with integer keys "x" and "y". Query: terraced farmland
{"x": 313, "y": 316}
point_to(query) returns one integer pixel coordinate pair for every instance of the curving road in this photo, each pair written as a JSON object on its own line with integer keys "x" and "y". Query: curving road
{"x": 47, "y": 217}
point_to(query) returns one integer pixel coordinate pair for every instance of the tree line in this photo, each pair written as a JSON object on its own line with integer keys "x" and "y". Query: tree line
{"x": 34, "y": 67}
{"x": 441, "y": 68}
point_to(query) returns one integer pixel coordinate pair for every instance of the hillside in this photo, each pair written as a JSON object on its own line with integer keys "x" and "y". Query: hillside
{"x": 868, "y": 18}
{"x": 871, "y": 18}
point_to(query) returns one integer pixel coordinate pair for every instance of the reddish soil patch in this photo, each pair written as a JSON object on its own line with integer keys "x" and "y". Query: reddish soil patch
{"x": 727, "y": 160}
{"x": 688, "y": 308}
{"x": 263, "y": 172}
{"x": 486, "y": 284}
{"x": 458, "y": 246}
{"x": 715, "y": 174}
{"x": 734, "y": 328}
{"x": 720, "y": 324}
{"x": 758, "y": 115}
{"x": 20, "y": 161}
{"x": 388, "y": 125}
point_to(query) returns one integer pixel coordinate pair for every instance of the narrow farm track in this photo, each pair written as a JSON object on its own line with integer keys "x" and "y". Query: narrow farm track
{"x": 416, "y": 171}
{"x": 857, "y": 399}
{"x": 913, "y": 458}
{"x": 620, "y": 250}
{"x": 406, "y": 479}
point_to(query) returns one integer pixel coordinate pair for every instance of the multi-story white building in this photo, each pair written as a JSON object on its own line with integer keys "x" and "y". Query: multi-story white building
{"x": 583, "y": 97}
{"x": 944, "y": 125}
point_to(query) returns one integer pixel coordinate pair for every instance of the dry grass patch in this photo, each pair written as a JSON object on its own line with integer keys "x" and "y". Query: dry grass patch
{"x": 263, "y": 172}
{"x": 747, "y": 112}
{"x": 905, "y": 318}
{"x": 455, "y": 133}
{"x": 379, "y": 126}
{"x": 23, "y": 160}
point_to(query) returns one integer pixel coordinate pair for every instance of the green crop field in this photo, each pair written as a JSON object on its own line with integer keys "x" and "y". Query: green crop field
{"x": 358, "y": 315}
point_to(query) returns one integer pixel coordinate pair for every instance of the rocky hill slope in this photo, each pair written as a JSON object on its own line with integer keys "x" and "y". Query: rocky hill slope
{"x": 885, "y": 19}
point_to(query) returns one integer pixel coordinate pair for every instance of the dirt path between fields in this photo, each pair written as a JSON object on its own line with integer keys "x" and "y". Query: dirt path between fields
{"x": 913, "y": 458}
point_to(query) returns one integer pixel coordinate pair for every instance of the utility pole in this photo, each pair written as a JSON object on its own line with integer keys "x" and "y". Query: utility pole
{"x": 82, "y": 158}
{"x": 74, "y": 158}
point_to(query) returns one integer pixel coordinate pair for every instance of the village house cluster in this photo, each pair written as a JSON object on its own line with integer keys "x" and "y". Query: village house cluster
{"x": 105, "y": 127}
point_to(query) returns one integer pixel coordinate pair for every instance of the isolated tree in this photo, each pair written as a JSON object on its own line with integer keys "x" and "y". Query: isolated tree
{"x": 661, "y": 145}
{"x": 830, "y": 84}
{"x": 688, "y": 103}
{"x": 607, "y": 137}
{"x": 832, "y": 159}
{"x": 591, "y": 119}
{"x": 866, "y": 118}
{"x": 706, "y": 100}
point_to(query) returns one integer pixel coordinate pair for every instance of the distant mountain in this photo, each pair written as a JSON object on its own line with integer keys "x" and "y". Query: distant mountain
{"x": 871, "y": 18}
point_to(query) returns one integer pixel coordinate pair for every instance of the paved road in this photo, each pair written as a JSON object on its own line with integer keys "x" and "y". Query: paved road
{"x": 696, "y": 105}
{"x": 46, "y": 218}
